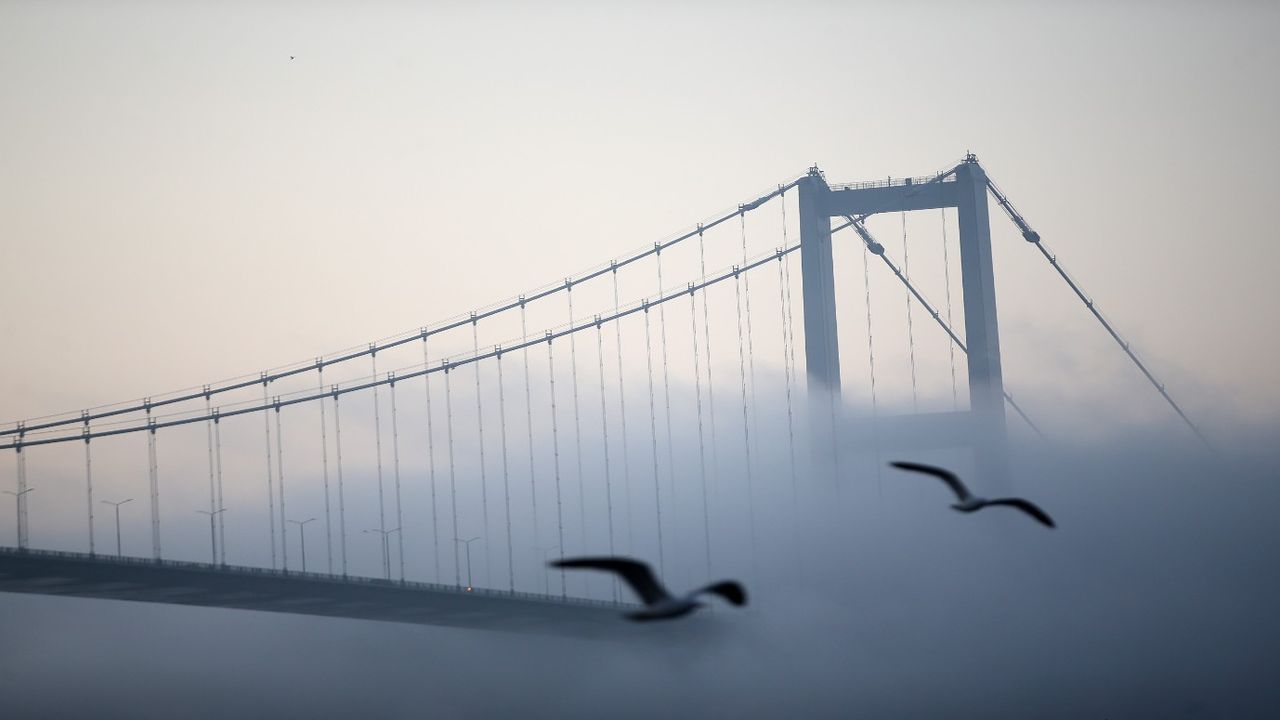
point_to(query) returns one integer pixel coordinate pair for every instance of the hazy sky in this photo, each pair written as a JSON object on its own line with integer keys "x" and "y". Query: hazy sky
{"x": 194, "y": 191}
{"x": 181, "y": 202}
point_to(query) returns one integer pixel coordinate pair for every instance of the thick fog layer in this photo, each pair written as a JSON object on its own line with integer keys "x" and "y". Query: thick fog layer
{"x": 1154, "y": 598}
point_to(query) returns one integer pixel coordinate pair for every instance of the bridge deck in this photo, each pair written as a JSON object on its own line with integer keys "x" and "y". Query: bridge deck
{"x": 189, "y": 583}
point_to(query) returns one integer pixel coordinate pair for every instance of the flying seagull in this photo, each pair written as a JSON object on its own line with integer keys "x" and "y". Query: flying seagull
{"x": 659, "y": 604}
{"x": 968, "y": 501}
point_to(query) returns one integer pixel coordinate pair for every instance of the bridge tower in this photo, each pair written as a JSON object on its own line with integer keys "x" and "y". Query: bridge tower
{"x": 982, "y": 426}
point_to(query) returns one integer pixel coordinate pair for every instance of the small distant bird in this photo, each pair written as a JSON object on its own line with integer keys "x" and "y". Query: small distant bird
{"x": 659, "y": 604}
{"x": 968, "y": 501}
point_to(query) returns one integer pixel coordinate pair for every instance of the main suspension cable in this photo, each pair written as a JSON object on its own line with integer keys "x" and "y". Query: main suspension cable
{"x": 496, "y": 309}
{"x": 305, "y": 396}
{"x": 1034, "y": 238}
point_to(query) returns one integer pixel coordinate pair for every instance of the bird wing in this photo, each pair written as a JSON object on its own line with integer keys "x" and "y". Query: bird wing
{"x": 944, "y": 475}
{"x": 635, "y": 573}
{"x": 1027, "y": 507}
{"x": 727, "y": 589}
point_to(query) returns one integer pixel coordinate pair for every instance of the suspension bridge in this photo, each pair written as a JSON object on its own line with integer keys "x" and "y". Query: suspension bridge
{"x": 675, "y": 426}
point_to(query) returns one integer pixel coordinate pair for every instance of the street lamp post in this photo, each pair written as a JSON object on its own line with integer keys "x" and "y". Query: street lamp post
{"x": 468, "y": 542}
{"x": 302, "y": 539}
{"x": 17, "y": 502}
{"x": 386, "y": 550}
{"x": 117, "y": 507}
{"x": 213, "y": 537}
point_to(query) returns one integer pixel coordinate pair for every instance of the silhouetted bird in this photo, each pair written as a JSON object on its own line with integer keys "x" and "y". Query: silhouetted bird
{"x": 659, "y": 604}
{"x": 968, "y": 501}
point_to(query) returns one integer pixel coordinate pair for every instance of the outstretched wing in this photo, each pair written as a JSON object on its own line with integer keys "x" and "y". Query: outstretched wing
{"x": 945, "y": 476}
{"x": 727, "y": 589}
{"x": 635, "y": 573}
{"x": 1027, "y": 507}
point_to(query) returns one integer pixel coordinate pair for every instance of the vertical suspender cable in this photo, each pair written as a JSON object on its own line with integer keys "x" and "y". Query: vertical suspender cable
{"x": 653, "y": 434}
{"x": 555, "y": 454}
{"x": 284, "y": 546}
{"x": 506, "y": 473}
{"x": 751, "y": 353}
{"x": 702, "y": 451}
{"x": 746, "y": 424}
{"x": 666, "y": 399}
{"x": 154, "y": 473}
{"x": 871, "y": 364}
{"x": 577, "y": 424}
{"x": 788, "y": 347}
{"x": 217, "y": 449}
{"x": 911, "y": 335}
{"x": 453, "y": 476}
{"x": 377, "y": 448}
{"x": 711, "y": 386}
{"x": 324, "y": 464}
{"x": 88, "y": 485}
{"x": 622, "y": 416}
{"x": 271, "y": 501}
{"x": 484, "y": 478}
{"x": 431, "y": 461}
{"x": 604, "y": 436}
{"x": 342, "y": 498}
{"x": 528, "y": 417}
{"x": 395, "y": 459}
{"x": 784, "y": 304}
{"x": 946, "y": 271}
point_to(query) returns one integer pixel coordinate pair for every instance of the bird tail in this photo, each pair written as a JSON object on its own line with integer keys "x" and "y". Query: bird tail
{"x": 727, "y": 589}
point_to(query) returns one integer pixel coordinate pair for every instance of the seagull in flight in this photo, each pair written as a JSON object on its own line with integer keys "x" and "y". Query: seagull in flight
{"x": 970, "y": 502}
{"x": 659, "y": 604}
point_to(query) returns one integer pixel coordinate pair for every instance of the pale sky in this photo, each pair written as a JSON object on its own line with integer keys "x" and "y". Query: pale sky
{"x": 181, "y": 202}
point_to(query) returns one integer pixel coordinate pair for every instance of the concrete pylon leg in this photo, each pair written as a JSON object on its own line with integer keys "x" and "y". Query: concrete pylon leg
{"x": 982, "y": 332}
{"x": 821, "y": 347}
